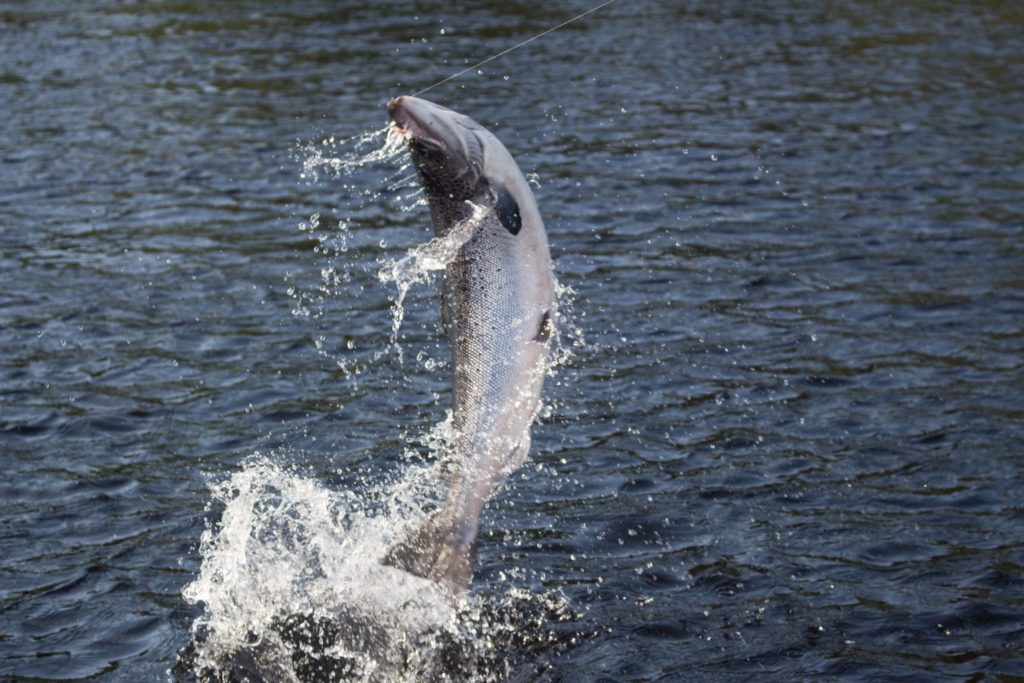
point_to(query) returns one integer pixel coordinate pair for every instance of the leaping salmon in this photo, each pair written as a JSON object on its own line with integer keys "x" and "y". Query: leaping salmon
{"x": 498, "y": 306}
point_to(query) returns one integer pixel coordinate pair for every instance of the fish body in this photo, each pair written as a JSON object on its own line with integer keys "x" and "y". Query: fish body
{"x": 498, "y": 305}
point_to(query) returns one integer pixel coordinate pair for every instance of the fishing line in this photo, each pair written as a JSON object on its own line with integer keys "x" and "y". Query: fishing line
{"x": 515, "y": 47}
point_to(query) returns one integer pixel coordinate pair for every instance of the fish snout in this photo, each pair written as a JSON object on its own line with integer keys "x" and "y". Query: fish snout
{"x": 397, "y": 111}
{"x": 417, "y": 120}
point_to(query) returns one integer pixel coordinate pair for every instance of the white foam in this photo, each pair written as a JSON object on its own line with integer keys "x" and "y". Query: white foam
{"x": 285, "y": 545}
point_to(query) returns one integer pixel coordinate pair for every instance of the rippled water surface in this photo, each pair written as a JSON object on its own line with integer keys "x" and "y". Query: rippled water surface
{"x": 788, "y": 443}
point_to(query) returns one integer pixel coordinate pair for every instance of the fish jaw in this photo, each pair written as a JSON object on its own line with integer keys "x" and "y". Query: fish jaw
{"x": 444, "y": 147}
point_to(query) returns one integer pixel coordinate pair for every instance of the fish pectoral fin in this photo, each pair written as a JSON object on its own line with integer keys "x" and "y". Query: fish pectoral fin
{"x": 433, "y": 551}
{"x": 544, "y": 328}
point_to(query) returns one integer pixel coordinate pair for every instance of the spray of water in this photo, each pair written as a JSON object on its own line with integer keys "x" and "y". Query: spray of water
{"x": 293, "y": 590}
{"x": 286, "y": 548}
{"x": 339, "y": 156}
{"x": 420, "y": 262}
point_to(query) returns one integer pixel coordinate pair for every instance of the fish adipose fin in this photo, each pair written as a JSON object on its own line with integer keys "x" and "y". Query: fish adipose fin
{"x": 435, "y": 551}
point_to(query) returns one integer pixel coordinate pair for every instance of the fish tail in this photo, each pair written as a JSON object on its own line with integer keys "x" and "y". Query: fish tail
{"x": 439, "y": 550}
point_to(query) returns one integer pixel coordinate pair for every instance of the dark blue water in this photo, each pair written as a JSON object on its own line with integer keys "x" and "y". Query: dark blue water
{"x": 787, "y": 444}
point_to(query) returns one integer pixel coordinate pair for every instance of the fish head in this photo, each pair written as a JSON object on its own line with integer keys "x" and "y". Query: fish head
{"x": 445, "y": 146}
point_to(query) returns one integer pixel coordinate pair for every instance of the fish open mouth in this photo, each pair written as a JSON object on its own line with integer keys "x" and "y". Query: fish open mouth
{"x": 409, "y": 128}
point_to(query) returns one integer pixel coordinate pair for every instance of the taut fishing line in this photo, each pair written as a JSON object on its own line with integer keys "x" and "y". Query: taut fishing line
{"x": 514, "y": 47}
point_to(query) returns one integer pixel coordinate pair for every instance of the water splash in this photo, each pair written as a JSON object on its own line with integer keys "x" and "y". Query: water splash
{"x": 568, "y": 333}
{"x": 293, "y": 589}
{"x": 339, "y": 240}
{"x": 340, "y": 156}
{"x": 287, "y": 546}
{"x": 419, "y": 263}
